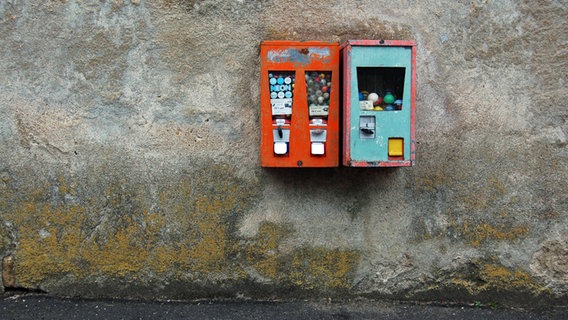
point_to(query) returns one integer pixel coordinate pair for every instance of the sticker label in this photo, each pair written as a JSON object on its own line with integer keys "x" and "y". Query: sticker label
{"x": 316, "y": 110}
{"x": 281, "y": 91}
{"x": 281, "y": 106}
{"x": 366, "y": 105}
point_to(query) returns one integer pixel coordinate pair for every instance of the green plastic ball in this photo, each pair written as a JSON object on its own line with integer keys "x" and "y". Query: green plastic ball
{"x": 388, "y": 99}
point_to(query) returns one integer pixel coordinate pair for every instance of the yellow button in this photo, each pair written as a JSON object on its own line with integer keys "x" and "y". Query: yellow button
{"x": 396, "y": 147}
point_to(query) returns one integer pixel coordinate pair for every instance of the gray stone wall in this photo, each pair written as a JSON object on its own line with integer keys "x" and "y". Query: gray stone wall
{"x": 129, "y": 155}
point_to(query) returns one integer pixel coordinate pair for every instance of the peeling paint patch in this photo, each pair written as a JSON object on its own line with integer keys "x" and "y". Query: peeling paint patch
{"x": 302, "y": 56}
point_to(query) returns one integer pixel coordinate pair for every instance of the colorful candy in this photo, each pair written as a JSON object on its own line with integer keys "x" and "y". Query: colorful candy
{"x": 389, "y": 98}
{"x": 373, "y": 97}
{"x": 398, "y": 104}
{"x": 318, "y": 89}
{"x": 388, "y": 102}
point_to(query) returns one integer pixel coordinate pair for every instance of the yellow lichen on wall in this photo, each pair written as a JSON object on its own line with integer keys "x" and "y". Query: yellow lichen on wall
{"x": 49, "y": 243}
{"x": 263, "y": 252}
{"x": 476, "y": 234}
{"x": 305, "y": 268}
{"x": 209, "y": 237}
{"x": 186, "y": 235}
{"x": 495, "y": 276}
{"x": 53, "y": 243}
{"x": 322, "y": 268}
{"x": 433, "y": 181}
{"x": 162, "y": 259}
{"x": 483, "y": 197}
{"x": 121, "y": 255}
{"x": 55, "y": 238}
{"x": 500, "y": 276}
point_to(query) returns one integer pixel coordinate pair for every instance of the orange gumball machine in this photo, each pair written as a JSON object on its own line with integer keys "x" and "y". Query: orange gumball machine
{"x": 299, "y": 83}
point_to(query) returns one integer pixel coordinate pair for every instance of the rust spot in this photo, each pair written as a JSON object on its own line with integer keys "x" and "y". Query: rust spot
{"x": 304, "y": 51}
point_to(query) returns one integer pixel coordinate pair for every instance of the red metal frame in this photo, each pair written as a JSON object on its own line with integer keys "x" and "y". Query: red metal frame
{"x": 299, "y": 145}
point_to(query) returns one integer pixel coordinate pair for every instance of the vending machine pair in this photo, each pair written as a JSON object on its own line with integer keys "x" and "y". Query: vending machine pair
{"x": 305, "y": 86}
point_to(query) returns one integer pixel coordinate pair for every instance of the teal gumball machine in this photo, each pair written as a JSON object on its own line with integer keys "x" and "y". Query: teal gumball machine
{"x": 379, "y": 93}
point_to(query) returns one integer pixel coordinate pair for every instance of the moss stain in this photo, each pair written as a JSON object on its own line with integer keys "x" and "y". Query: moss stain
{"x": 262, "y": 253}
{"x": 189, "y": 232}
{"x": 496, "y": 276}
{"x": 52, "y": 238}
{"x": 476, "y": 234}
{"x": 305, "y": 268}
{"x": 322, "y": 268}
{"x": 485, "y": 196}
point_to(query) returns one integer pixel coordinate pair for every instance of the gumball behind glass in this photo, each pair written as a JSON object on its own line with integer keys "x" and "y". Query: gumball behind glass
{"x": 398, "y": 104}
{"x": 373, "y": 97}
{"x": 378, "y": 102}
{"x": 389, "y": 98}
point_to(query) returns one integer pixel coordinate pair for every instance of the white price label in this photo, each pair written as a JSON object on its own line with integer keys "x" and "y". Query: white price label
{"x": 281, "y": 106}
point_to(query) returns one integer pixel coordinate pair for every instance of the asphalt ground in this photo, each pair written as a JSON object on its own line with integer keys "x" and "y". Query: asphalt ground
{"x": 37, "y": 306}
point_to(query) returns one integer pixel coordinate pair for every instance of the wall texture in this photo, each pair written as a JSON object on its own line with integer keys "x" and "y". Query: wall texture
{"x": 129, "y": 155}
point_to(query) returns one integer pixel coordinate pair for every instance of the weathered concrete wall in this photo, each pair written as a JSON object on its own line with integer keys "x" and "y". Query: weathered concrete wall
{"x": 129, "y": 163}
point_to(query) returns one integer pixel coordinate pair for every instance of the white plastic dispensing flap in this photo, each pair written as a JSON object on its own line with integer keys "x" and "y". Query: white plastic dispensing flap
{"x": 318, "y": 148}
{"x": 280, "y": 148}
